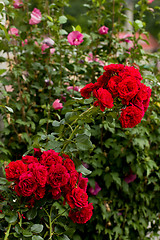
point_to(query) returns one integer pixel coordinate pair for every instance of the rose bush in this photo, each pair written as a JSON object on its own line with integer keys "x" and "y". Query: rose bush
{"x": 86, "y": 94}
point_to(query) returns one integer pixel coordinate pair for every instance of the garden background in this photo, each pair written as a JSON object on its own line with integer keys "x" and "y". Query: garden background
{"x": 42, "y": 107}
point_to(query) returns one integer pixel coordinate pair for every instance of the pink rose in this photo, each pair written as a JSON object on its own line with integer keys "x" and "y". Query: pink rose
{"x": 75, "y": 38}
{"x": 52, "y": 50}
{"x": 44, "y": 47}
{"x": 150, "y": 1}
{"x": 130, "y": 177}
{"x": 48, "y": 41}
{"x": 57, "y": 105}
{"x": 35, "y": 17}
{"x": 96, "y": 190}
{"x": 17, "y": 3}
{"x": 25, "y": 42}
{"x": 76, "y": 88}
{"x": 103, "y": 30}
{"x": 13, "y": 31}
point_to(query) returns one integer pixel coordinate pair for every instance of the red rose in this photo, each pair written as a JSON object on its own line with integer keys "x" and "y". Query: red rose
{"x": 14, "y": 170}
{"x": 144, "y": 95}
{"x": 56, "y": 193}
{"x": 112, "y": 69}
{"x": 82, "y": 182}
{"x": 40, "y": 173}
{"x": 29, "y": 159}
{"x": 104, "y": 99}
{"x": 130, "y": 116}
{"x": 69, "y": 164}
{"x": 58, "y": 176}
{"x": 50, "y": 157}
{"x": 113, "y": 85}
{"x": 82, "y": 215}
{"x": 77, "y": 198}
{"x": 37, "y": 152}
{"x": 132, "y": 72}
{"x": 127, "y": 89}
{"x": 27, "y": 184}
{"x": 103, "y": 80}
{"x": 86, "y": 91}
{"x": 40, "y": 192}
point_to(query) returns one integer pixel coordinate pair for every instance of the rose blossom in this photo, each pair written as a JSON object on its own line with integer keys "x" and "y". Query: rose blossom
{"x": 128, "y": 88}
{"x": 82, "y": 215}
{"x": 37, "y": 152}
{"x": 25, "y": 42}
{"x": 104, "y": 99}
{"x": 13, "y": 31}
{"x": 82, "y": 182}
{"x": 69, "y": 164}
{"x": 130, "y": 177}
{"x": 50, "y": 157}
{"x": 77, "y": 198}
{"x": 86, "y": 91}
{"x": 52, "y": 50}
{"x": 17, "y": 3}
{"x": 44, "y": 47}
{"x": 150, "y": 1}
{"x": 14, "y": 170}
{"x": 29, "y": 159}
{"x": 58, "y": 176}
{"x": 75, "y": 38}
{"x": 40, "y": 192}
{"x": 40, "y": 173}
{"x": 131, "y": 116}
{"x": 35, "y": 17}
{"x": 103, "y": 30}
{"x": 48, "y": 41}
{"x": 56, "y": 193}
{"x": 27, "y": 184}
{"x": 76, "y": 88}
{"x": 57, "y": 105}
{"x": 96, "y": 190}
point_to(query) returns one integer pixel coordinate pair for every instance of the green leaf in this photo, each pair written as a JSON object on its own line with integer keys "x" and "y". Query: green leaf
{"x": 55, "y": 123}
{"x": 64, "y": 237}
{"x": 1, "y": 215}
{"x": 2, "y": 71}
{"x": 116, "y": 178}
{"x": 12, "y": 217}
{"x": 37, "y": 228}
{"x": 18, "y": 229}
{"x": 62, "y": 19}
{"x": 78, "y": 28}
{"x": 3, "y": 181}
{"x": 5, "y": 31}
{"x": 83, "y": 170}
{"x": 63, "y": 32}
{"x": 83, "y": 142}
{"x": 108, "y": 180}
{"x": 37, "y": 238}
{"x": 1, "y": 7}
{"x": 32, "y": 213}
{"x": 26, "y": 233}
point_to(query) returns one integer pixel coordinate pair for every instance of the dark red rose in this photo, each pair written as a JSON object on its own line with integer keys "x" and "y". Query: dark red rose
{"x": 14, "y": 170}
{"x": 132, "y": 72}
{"x": 40, "y": 192}
{"x": 77, "y": 198}
{"x": 82, "y": 215}
{"x": 82, "y": 182}
{"x": 27, "y": 184}
{"x": 50, "y": 157}
{"x": 113, "y": 85}
{"x": 56, "y": 193}
{"x": 88, "y": 89}
{"x": 29, "y": 159}
{"x": 37, "y": 152}
{"x": 64, "y": 156}
{"x": 58, "y": 176}
{"x": 17, "y": 189}
{"x": 130, "y": 177}
{"x": 144, "y": 95}
{"x": 40, "y": 173}
{"x": 113, "y": 69}
{"x": 127, "y": 89}
{"x": 71, "y": 183}
{"x": 130, "y": 116}
{"x": 104, "y": 99}
{"x": 103, "y": 80}
{"x": 69, "y": 164}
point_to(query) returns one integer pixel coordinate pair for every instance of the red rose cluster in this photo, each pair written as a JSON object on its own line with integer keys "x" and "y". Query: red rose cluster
{"x": 35, "y": 176}
{"x": 123, "y": 83}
